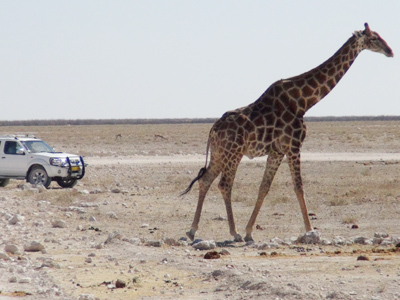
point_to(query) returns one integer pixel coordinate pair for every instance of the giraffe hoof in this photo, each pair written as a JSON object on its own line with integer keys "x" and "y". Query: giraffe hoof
{"x": 190, "y": 234}
{"x": 249, "y": 240}
{"x": 238, "y": 238}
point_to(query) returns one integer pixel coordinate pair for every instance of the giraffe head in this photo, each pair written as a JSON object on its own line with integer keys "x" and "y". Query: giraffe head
{"x": 371, "y": 40}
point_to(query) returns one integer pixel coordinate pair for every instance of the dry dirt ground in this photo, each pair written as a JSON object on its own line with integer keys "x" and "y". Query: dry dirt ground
{"x": 120, "y": 233}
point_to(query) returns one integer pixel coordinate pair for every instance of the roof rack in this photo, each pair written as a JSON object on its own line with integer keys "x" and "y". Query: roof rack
{"x": 16, "y": 136}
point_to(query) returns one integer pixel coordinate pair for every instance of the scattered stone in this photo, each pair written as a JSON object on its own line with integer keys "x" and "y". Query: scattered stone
{"x": 92, "y": 219}
{"x": 86, "y": 297}
{"x": 381, "y": 235}
{"x": 12, "y": 279}
{"x": 212, "y": 255}
{"x": 133, "y": 241}
{"x": 154, "y": 243}
{"x": 34, "y": 246}
{"x": 94, "y": 228}
{"x": 112, "y": 215}
{"x": 88, "y": 260}
{"x": 89, "y": 204}
{"x": 217, "y": 273}
{"x": 112, "y": 236}
{"x": 38, "y": 223}
{"x": 172, "y": 242}
{"x": 116, "y": 191}
{"x": 59, "y": 224}
{"x": 25, "y": 280}
{"x": 205, "y": 245}
{"x": 4, "y": 256}
{"x": 16, "y": 219}
{"x": 222, "y": 244}
{"x": 50, "y": 263}
{"x": 362, "y": 240}
{"x": 363, "y": 257}
{"x": 325, "y": 242}
{"x": 338, "y": 241}
{"x": 224, "y": 252}
{"x": 7, "y": 216}
{"x": 11, "y": 248}
{"x": 119, "y": 284}
{"x": 354, "y": 226}
{"x": 144, "y": 225}
{"x": 310, "y": 237}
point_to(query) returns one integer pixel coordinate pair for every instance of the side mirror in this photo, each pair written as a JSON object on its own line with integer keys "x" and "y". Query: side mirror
{"x": 21, "y": 151}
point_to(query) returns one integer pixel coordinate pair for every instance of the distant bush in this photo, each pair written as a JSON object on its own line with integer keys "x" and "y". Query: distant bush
{"x": 62, "y": 122}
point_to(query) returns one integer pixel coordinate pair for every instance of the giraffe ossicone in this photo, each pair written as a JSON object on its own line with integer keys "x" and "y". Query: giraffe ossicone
{"x": 273, "y": 125}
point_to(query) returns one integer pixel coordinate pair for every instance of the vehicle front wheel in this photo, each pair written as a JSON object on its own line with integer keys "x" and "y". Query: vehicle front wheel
{"x": 69, "y": 183}
{"x": 4, "y": 182}
{"x": 38, "y": 175}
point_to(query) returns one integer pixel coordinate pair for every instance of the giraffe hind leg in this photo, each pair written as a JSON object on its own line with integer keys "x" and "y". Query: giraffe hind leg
{"x": 204, "y": 185}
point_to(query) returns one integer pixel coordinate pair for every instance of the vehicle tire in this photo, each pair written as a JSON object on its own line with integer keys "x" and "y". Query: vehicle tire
{"x": 38, "y": 175}
{"x": 4, "y": 182}
{"x": 67, "y": 183}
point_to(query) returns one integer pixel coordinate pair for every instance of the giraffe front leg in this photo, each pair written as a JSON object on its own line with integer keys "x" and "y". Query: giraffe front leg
{"x": 294, "y": 164}
{"x": 225, "y": 186}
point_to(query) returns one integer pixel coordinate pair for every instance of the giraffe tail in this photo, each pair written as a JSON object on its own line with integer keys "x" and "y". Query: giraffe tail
{"x": 201, "y": 172}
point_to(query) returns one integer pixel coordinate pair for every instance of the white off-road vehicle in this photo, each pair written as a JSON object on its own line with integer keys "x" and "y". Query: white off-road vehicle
{"x": 31, "y": 159}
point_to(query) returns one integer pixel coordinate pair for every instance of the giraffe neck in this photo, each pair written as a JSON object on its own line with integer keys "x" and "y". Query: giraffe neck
{"x": 302, "y": 92}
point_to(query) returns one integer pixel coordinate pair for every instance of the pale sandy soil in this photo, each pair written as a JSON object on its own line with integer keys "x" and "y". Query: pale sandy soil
{"x": 132, "y": 189}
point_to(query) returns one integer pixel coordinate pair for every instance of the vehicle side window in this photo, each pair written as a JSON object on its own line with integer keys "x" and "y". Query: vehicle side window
{"x": 10, "y": 147}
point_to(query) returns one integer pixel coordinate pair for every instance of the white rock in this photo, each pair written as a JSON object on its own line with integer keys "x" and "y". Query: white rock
{"x": 92, "y": 219}
{"x": 86, "y": 297}
{"x": 59, "y": 224}
{"x": 111, "y": 236}
{"x": 7, "y": 216}
{"x": 339, "y": 240}
{"x": 16, "y": 219}
{"x": 310, "y": 237}
{"x": 134, "y": 241}
{"x": 11, "y": 248}
{"x": 112, "y": 215}
{"x": 25, "y": 280}
{"x": 38, "y": 223}
{"x": 12, "y": 279}
{"x": 89, "y": 204}
{"x": 362, "y": 240}
{"x": 33, "y": 246}
{"x": 4, "y": 256}
{"x": 205, "y": 245}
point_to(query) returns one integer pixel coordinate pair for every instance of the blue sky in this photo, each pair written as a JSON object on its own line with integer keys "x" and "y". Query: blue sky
{"x": 185, "y": 59}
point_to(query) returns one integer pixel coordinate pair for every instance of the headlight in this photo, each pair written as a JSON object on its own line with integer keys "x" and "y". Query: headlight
{"x": 58, "y": 162}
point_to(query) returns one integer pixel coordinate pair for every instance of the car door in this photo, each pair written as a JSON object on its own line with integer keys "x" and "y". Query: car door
{"x": 12, "y": 161}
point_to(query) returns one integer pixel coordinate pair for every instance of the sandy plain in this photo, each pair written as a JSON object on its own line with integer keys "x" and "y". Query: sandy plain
{"x": 131, "y": 190}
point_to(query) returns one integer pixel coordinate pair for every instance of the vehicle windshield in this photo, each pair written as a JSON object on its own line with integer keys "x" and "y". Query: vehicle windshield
{"x": 37, "y": 146}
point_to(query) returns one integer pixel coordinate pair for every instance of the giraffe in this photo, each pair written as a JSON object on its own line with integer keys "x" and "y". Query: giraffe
{"x": 273, "y": 125}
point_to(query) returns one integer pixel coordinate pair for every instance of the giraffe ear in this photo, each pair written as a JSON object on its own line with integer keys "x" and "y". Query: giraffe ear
{"x": 367, "y": 31}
